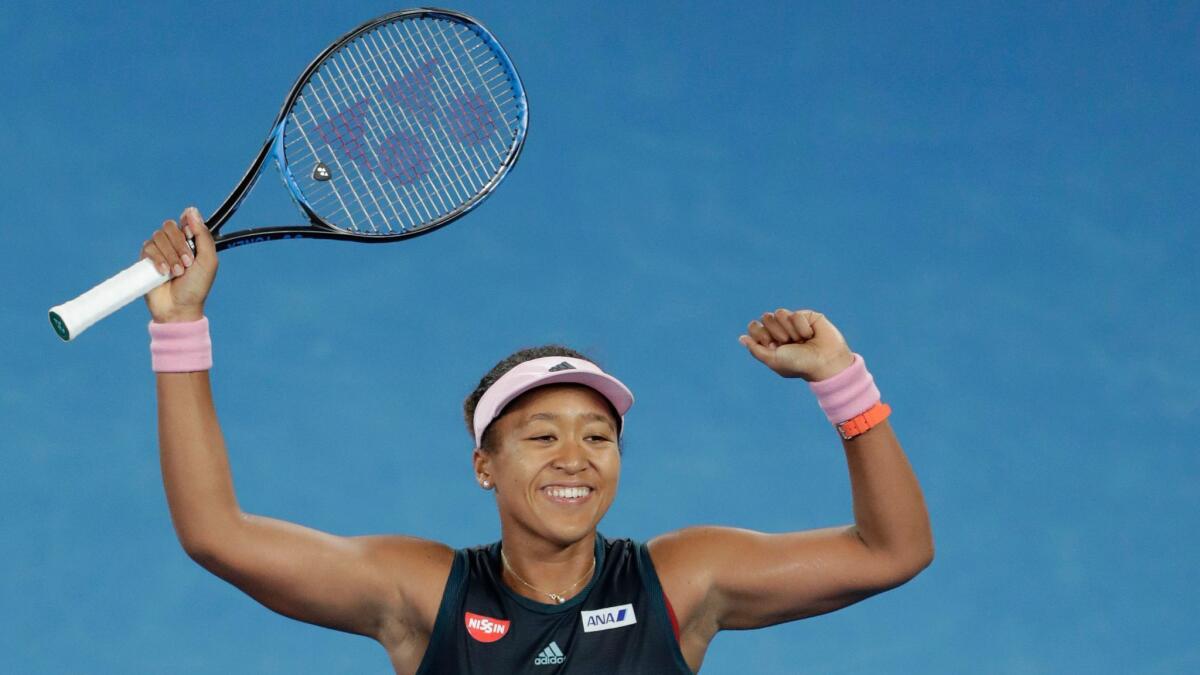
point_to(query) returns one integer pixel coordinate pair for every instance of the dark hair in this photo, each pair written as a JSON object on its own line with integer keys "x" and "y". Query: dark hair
{"x": 510, "y": 362}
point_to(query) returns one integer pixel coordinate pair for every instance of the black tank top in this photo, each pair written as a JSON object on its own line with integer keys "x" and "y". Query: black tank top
{"x": 619, "y": 622}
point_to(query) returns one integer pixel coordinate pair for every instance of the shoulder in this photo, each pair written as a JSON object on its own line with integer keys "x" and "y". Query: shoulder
{"x": 693, "y": 550}
{"x": 417, "y": 567}
{"x": 688, "y": 559}
{"x": 412, "y": 553}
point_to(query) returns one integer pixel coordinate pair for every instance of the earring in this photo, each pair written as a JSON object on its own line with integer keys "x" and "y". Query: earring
{"x": 487, "y": 484}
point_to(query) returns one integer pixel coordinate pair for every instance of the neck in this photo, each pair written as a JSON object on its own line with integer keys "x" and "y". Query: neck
{"x": 549, "y": 567}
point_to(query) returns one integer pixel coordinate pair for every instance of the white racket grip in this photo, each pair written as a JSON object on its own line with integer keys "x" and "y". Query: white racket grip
{"x": 75, "y": 316}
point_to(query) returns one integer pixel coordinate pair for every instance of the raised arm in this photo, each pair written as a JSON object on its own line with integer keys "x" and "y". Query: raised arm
{"x": 722, "y": 578}
{"x": 383, "y": 587}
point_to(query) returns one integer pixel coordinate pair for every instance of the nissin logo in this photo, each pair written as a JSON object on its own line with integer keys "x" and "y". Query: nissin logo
{"x": 485, "y": 628}
{"x": 608, "y": 618}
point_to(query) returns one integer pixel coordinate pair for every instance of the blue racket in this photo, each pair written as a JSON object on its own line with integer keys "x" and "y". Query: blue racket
{"x": 401, "y": 126}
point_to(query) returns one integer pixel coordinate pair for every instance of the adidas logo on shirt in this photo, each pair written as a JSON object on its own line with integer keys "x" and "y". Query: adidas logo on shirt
{"x": 551, "y": 655}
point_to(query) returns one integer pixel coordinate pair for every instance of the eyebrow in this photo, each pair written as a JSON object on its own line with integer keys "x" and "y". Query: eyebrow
{"x": 587, "y": 416}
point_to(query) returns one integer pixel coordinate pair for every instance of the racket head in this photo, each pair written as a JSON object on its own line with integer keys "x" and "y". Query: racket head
{"x": 399, "y": 127}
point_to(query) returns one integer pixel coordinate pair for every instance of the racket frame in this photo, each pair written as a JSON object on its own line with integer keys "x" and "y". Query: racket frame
{"x": 318, "y": 227}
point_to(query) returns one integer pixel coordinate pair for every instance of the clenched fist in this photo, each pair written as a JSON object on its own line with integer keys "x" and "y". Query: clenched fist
{"x": 800, "y": 343}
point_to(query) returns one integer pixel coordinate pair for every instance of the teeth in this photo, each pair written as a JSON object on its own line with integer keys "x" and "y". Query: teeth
{"x": 568, "y": 492}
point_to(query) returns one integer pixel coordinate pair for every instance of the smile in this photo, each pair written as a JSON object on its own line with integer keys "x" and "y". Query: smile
{"x": 567, "y": 495}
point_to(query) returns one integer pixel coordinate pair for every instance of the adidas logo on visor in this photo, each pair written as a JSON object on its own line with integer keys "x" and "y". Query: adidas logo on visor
{"x": 562, "y": 366}
{"x": 551, "y": 655}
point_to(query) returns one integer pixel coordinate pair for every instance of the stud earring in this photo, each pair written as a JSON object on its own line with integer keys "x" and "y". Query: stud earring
{"x": 487, "y": 484}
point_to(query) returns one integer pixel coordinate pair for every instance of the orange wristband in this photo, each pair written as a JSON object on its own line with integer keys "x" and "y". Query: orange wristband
{"x": 860, "y": 424}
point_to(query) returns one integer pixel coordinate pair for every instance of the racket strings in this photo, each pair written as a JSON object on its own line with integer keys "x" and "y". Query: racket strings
{"x": 452, "y": 167}
{"x": 346, "y": 129}
{"x": 413, "y": 119}
{"x": 437, "y": 89}
{"x": 355, "y": 145}
{"x": 456, "y": 87}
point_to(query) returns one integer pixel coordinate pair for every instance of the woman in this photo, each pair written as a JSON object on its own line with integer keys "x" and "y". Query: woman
{"x": 550, "y": 596}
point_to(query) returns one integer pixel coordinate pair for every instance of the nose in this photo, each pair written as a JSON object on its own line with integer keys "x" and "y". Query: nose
{"x": 572, "y": 457}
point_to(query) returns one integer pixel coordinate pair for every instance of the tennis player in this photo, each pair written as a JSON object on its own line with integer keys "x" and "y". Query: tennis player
{"x": 553, "y": 595}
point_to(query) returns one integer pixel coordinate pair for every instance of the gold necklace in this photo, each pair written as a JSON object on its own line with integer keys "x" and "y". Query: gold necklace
{"x": 559, "y": 597}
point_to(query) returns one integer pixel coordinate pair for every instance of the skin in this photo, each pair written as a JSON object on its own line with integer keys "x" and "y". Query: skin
{"x": 389, "y": 587}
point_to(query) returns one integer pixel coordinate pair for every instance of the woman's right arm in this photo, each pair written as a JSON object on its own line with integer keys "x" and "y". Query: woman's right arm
{"x": 386, "y": 587}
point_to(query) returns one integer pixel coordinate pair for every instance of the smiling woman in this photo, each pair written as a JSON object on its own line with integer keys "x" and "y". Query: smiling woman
{"x": 552, "y": 595}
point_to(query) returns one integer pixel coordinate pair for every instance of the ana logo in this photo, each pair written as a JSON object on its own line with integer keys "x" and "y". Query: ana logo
{"x": 562, "y": 366}
{"x": 608, "y": 618}
{"x": 485, "y": 628}
{"x": 550, "y": 656}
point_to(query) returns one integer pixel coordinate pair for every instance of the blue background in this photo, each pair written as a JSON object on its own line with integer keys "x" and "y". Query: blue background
{"x": 995, "y": 202}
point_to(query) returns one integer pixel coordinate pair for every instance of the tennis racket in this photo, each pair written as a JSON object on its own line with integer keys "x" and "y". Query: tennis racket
{"x": 401, "y": 126}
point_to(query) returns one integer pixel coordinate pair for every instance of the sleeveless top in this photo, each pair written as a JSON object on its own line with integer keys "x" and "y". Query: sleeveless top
{"x": 618, "y": 623}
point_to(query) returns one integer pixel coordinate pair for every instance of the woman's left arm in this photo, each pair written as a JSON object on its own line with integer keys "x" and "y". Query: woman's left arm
{"x": 724, "y": 578}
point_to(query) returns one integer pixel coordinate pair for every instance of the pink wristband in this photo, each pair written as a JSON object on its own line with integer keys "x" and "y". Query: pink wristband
{"x": 847, "y": 394}
{"x": 182, "y": 347}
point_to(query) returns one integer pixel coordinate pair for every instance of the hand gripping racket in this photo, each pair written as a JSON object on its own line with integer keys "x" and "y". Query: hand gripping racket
{"x": 401, "y": 126}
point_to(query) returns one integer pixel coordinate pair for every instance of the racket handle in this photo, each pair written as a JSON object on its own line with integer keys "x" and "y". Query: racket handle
{"x": 75, "y": 316}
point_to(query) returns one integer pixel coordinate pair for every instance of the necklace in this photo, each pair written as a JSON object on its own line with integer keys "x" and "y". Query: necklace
{"x": 559, "y": 597}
